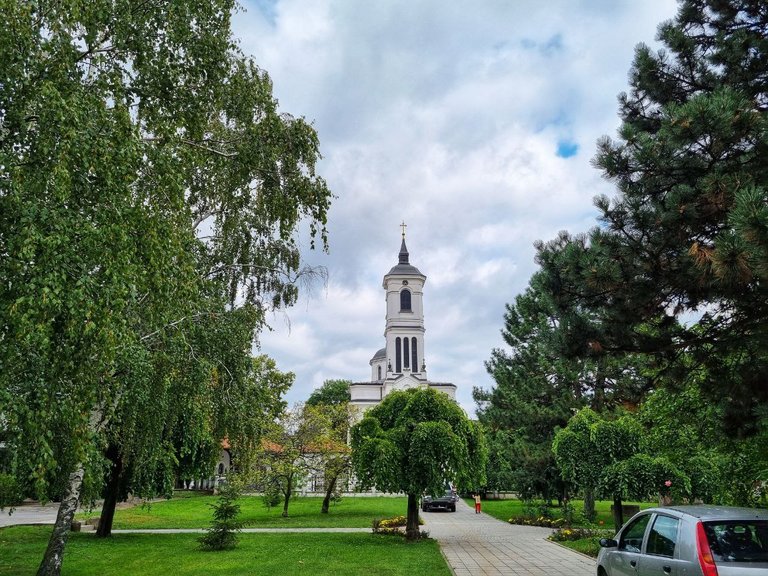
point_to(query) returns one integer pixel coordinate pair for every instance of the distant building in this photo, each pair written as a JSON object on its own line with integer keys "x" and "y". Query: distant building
{"x": 400, "y": 364}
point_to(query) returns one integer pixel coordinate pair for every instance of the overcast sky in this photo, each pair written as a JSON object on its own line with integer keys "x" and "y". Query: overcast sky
{"x": 473, "y": 122}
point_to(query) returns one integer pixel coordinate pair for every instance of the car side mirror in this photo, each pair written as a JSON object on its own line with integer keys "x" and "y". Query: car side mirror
{"x": 608, "y": 543}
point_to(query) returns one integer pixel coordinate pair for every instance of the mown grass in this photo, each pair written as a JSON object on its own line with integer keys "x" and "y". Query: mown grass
{"x": 289, "y": 554}
{"x": 506, "y": 509}
{"x": 190, "y": 510}
{"x": 589, "y": 546}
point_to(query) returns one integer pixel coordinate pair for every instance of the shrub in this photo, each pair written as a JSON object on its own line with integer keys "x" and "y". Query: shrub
{"x": 391, "y": 525}
{"x": 538, "y": 521}
{"x": 272, "y": 496}
{"x": 222, "y": 535}
{"x": 10, "y": 492}
{"x": 571, "y": 534}
{"x": 393, "y": 522}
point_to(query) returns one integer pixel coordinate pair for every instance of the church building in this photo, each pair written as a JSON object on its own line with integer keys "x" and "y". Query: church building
{"x": 401, "y": 363}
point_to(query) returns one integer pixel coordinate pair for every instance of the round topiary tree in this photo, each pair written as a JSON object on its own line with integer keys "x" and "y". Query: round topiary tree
{"x": 414, "y": 442}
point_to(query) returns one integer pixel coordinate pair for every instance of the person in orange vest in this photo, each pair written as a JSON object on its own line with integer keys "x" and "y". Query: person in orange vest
{"x": 477, "y": 503}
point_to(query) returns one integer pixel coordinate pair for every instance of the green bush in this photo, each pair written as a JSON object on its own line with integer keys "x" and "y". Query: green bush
{"x": 222, "y": 535}
{"x": 392, "y": 525}
{"x": 571, "y": 534}
{"x": 10, "y": 491}
{"x": 544, "y": 521}
{"x": 272, "y": 496}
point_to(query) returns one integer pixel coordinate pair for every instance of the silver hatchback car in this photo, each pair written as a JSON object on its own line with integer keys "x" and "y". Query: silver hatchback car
{"x": 689, "y": 541}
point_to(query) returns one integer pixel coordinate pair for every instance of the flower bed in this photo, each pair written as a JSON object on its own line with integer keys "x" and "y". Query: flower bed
{"x": 391, "y": 525}
{"x": 538, "y": 521}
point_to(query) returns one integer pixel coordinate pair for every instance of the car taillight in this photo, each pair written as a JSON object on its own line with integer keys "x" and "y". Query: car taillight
{"x": 706, "y": 560}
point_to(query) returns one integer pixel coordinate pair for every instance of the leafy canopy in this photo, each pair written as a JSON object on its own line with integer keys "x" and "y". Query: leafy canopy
{"x": 415, "y": 441}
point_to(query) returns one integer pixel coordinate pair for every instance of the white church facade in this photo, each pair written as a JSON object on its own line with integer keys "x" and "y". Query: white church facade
{"x": 401, "y": 363}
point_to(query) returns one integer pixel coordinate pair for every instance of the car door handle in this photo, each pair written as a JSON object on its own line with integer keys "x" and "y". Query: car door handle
{"x": 667, "y": 569}
{"x": 633, "y": 563}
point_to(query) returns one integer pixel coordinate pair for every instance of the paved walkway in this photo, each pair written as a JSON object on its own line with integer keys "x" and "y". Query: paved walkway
{"x": 473, "y": 544}
{"x": 479, "y": 545}
{"x": 30, "y": 514}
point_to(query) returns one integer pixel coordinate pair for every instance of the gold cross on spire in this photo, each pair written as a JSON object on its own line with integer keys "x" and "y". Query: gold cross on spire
{"x": 403, "y": 226}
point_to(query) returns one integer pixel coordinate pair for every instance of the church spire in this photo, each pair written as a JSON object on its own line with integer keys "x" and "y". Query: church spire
{"x": 403, "y": 256}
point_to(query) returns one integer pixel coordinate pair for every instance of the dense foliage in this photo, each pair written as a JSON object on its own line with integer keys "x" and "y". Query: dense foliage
{"x": 150, "y": 198}
{"x": 332, "y": 401}
{"x": 303, "y": 442}
{"x": 331, "y": 393}
{"x": 415, "y": 441}
{"x": 665, "y": 298}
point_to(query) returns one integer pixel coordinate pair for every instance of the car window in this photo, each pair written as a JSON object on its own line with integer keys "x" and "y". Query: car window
{"x": 738, "y": 541}
{"x": 632, "y": 537}
{"x": 663, "y": 536}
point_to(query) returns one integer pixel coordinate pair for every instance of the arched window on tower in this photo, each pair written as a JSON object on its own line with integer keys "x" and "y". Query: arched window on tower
{"x": 398, "y": 356}
{"x": 406, "y": 356}
{"x": 414, "y": 356}
{"x": 379, "y": 372}
{"x": 405, "y": 300}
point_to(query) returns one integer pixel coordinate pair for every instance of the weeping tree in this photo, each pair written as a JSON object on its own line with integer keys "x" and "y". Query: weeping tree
{"x": 588, "y": 449}
{"x": 181, "y": 436}
{"x": 148, "y": 185}
{"x": 415, "y": 441}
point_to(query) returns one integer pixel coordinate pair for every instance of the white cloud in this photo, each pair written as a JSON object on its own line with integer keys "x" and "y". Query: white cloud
{"x": 448, "y": 116}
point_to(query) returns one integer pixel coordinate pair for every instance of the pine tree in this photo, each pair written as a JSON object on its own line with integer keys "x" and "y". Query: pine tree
{"x": 687, "y": 234}
{"x": 222, "y": 535}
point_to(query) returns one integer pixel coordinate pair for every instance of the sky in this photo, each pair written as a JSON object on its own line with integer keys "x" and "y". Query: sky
{"x": 475, "y": 123}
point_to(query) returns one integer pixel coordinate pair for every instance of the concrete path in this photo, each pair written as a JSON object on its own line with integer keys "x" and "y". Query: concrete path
{"x": 479, "y": 545}
{"x": 30, "y": 514}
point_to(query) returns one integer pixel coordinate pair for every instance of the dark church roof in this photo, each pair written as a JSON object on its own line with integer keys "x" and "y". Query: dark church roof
{"x": 403, "y": 266}
{"x": 380, "y": 354}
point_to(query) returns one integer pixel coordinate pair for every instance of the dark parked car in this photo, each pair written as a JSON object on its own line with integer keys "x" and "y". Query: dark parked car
{"x": 690, "y": 541}
{"x": 445, "y": 502}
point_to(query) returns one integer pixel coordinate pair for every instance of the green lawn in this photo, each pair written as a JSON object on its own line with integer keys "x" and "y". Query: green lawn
{"x": 191, "y": 510}
{"x": 589, "y": 546}
{"x": 285, "y": 554}
{"x": 506, "y": 509}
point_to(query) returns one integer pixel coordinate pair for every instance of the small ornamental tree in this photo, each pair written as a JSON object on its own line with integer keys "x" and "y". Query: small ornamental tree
{"x": 414, "y": 442}
{"x": 586, "y": 450}
{"x": 301, "y": 443}
{"x": 642, "y": 477}
{"x": 222, "y": 535}
{"x": 331, "y": 401}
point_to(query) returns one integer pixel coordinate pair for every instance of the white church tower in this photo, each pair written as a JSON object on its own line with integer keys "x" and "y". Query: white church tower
{"x": 400, "y": 364}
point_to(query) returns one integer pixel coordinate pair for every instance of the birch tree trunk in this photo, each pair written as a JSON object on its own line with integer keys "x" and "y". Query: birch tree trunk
{"x": 51, "y": 564}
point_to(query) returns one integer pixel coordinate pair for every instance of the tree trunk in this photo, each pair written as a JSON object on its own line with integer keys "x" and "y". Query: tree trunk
{"x": 51, "y": 564}
{"x": 412, "y": 531}
{"x": 287, "y": 496}
{"x": 328, "y": 494}
{"x": 112, "y": 492}
{"x": 589, "y": 504}
{"x": 618, "y": 513}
